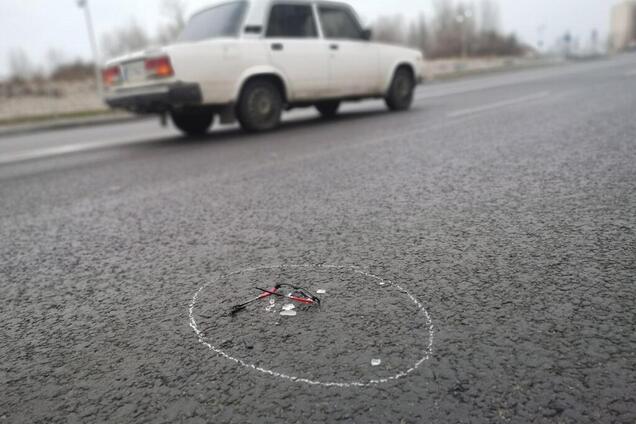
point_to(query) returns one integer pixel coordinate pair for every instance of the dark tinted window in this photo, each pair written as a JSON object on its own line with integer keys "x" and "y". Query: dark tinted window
{"x": 221, "y": 21}
{"x": 339, "y": 23}
{"x": 290, "y": 20}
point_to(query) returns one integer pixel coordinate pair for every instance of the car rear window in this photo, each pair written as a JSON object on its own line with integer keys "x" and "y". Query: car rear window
{"x": 220, "y": 21}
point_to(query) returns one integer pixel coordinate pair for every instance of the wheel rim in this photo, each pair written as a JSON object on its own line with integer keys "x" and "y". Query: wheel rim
{"x": 261, "y": 106}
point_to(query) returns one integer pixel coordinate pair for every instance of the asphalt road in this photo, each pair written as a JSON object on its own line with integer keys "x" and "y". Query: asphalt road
{"x": 481, "y": 246}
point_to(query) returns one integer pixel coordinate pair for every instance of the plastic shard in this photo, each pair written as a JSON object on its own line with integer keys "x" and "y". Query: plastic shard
{"x": 321, "y": 291}
{"x": 376, "y": 362}
{"x": 290, "y": 313}
{"x": 289, "y": 307}
{"x": 272, "y": 304}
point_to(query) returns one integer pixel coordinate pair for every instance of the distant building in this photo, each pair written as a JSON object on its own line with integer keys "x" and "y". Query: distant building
{"x": 623, "y": 30}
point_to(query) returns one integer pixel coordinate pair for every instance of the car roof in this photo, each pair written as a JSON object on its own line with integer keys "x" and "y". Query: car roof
{"x": 253, "y": 3}
{"x": 258, "y": 8}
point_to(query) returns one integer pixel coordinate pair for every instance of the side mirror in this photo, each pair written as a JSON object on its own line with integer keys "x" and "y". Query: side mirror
{"x": 367, "y": 34}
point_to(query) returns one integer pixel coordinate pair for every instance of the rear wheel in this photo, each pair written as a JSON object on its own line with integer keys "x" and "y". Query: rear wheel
{"x": 193, "y": 122}
{"x": 400, "y": 95}
{"x": 260, "y": 106}
{"x": 328, "y": 109}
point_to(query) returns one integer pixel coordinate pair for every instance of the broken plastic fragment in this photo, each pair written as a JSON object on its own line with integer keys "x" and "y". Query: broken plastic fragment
{"x": 272, "y": 304}
{"x": 375, "y": 362}
{"x": 289, "y": 307}
{"x": 288, "y": 313}
{"x": 321, "y": 291}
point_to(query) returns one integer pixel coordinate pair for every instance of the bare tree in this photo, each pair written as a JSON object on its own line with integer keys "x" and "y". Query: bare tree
{"x": 54, "y": 59}
{"x": 418, "y": 34}
{"x": 390, "y": 29}
{"x": 446, "y": 31}
{"x": 125, "y": 40}
{"x": 173, "y": 12}
{"x": 20, "y": 66}
{"x": 489, "y": 16}
{"x": 461, "y": 30}
{"x": 73, "y": 71}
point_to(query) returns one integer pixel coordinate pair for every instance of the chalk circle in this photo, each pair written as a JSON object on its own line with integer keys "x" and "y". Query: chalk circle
{"x": 363, "y": 317}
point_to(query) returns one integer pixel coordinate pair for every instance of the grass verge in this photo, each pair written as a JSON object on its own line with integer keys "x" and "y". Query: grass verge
{"x": 37, "y": 119}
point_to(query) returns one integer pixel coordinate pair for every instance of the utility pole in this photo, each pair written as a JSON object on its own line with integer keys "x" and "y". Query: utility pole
{"x": 83, "y": 4}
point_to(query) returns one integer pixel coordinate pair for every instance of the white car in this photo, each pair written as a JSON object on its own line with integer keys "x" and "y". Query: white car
{"x": 251, "y": 60}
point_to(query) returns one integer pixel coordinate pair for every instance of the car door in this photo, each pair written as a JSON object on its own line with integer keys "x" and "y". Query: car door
{"x": 296, "y": 49}
{"x": 353, "y": 61}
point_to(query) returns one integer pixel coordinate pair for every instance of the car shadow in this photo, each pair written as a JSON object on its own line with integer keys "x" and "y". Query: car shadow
{"x": 234, "y": 133}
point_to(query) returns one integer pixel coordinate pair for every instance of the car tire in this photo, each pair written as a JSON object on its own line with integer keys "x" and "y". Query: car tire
{"x": 401, "y": 92}
{"x": 193, "y": 122}
{"x": 328, "y": 109}
{"x": 260, "y": 106}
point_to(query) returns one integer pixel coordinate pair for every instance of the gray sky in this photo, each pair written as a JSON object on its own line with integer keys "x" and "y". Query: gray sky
{"x": 39, "y": 25}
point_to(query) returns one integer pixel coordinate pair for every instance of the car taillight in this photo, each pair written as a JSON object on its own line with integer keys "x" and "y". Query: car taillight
{"x": 159, "y": 67}
{"x": 111, "y": 76}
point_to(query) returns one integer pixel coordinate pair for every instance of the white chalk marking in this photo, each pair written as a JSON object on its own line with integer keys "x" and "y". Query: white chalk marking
{"x": 429, "y": 327}
{"x": 498, "y": 105}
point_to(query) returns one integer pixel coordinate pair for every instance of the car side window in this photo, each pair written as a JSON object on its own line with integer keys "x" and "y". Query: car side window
{"x": 291, "y": 20}
{"x": 338, "y": 22}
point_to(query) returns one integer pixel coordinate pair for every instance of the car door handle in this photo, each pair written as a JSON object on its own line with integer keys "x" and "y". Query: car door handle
{"x": 334, "y": 46}
{"x": 277, "y": 46}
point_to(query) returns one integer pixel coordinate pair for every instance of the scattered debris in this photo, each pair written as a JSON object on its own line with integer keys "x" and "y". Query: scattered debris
{"x": 288, "y": 313}
{"x": 291, "y": 293}
{"x": 321, "y": 291}
{"x": 238, "y": 308}
{"x": 272, "y": 304}
{"x": 289, "y": 307}
{"x": 376, "y": 362}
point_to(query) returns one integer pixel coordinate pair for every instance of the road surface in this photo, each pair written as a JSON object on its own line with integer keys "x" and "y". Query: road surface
{"x": 482, "y": 245}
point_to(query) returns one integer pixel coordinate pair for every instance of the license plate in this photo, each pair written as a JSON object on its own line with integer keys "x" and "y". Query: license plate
{"x": 135, "y": 71}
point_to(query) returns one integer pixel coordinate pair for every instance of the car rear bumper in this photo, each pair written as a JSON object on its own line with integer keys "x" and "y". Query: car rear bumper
{"x": 155, "y": 99}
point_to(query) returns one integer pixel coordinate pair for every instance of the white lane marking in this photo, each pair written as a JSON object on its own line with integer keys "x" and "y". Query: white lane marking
{"x": 429, "y": 327}
{"x": 498, "y": 105}
{"x": 46, "y": 152}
